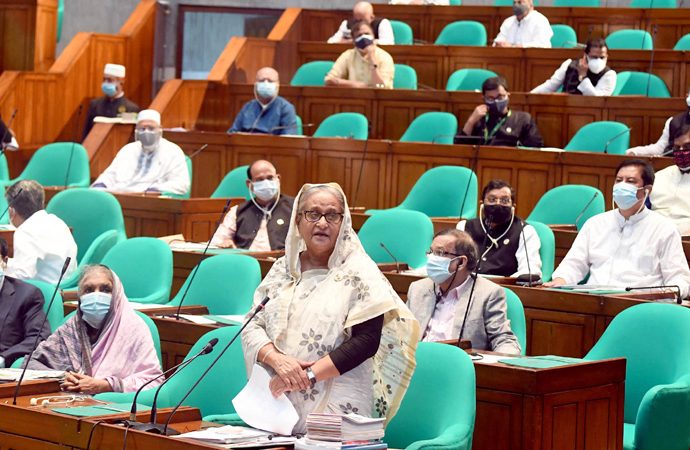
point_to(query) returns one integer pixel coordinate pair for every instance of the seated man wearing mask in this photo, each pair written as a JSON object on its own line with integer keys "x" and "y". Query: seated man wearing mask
{"x": 629, "y": 246}
{"x": 525, "y": 28}
{"x": 366, "y": 65}
{"x": 499, "y": 125}
{"x": 509, "y": 247}
{"x": 671, "y": 194}
{"x": 150, "y": 164}
{"x": 364, "y": 11}
{"x": 588, "y": 75}
{"x": 268, "y": 113}
{"x": 439, "y": 302}
{"x": 672, "y": 130}
{"x": 114, "y": 102}
{"x": 260, "y": 224}
{"x": 9, "y": 142}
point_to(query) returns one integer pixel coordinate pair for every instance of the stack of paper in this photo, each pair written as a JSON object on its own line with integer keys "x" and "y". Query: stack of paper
{"x": 349, "y": 431}
{"x": 228, "y": 434}
{"x": 13, "y": 374}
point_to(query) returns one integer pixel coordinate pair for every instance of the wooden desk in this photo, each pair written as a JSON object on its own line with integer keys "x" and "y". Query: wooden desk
{"x": 163, "y": 310}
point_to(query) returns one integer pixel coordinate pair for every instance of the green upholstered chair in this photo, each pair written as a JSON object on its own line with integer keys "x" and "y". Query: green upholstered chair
{"x": 653, "y": 3}
{"x": 455, "y": 2}
{"x": 405, "y": 77}
{"x": 655, "y": 340}
{"x": 577, "y": 3}
{"x": 346, "y": 125}
{"x": 433, "y": 127}
{"x": 240, "y": 275}
{"x": 510, "y": 3}
{"x": 57, "y": 163}
{"x": 547, "y": 249}
{"x": 444, "y": 191}
{"x": 630, "y": 40}
{"x": 4, "y": 169}
{"x": 601, "y": 137}
{"x": 431, "y": 417}
{"x": 299, "y": 125}
{"x": 57, "y": 311}
{"x": 394, "y": 229}
{"x": 641, "y": 83}
{"x": 5, "y": 218}
{"x": 402, "y": 34}
{"x": 94, "y": 255}
{"x": 144, "y": 265}
{"x": 234, "y": 184}
{"x": 463, "y": 32}
{"x": 569, "y": 204}
{"x": 564, "y": 36}
{"x": 468, "y": 79}
{"x": 516, "y": 315}
{"x": 312, "y": 73}
{"x": 683, "y": 43}
{"x": 214, "y": 394}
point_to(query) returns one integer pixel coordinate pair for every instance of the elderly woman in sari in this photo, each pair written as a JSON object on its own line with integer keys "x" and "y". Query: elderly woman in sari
{"x": 105, "y": 346}
{"x": 335, "y": 335}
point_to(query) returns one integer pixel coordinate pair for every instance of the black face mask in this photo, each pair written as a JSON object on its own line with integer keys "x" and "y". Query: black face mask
{"x": 498, "y": 213}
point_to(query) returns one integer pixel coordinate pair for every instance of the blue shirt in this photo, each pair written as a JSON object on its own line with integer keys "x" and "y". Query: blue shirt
{"x": 278, "y": 118}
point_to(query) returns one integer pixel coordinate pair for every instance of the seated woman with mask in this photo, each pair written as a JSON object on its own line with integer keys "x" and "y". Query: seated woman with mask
{"x": 105, "y": 346}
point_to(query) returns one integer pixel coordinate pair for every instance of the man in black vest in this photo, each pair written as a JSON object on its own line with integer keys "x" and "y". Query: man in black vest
{"x": 588, "y": 75}
{"x": 260, "y": 224}
{"x": 364, "y": 11}
{"x": 673, "y": 129}
{"x": 507, "y": 245}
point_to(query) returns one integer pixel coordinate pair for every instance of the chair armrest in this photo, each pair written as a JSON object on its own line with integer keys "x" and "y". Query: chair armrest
{"x": 664, "y": 415}
{"x": 455, "y": 437}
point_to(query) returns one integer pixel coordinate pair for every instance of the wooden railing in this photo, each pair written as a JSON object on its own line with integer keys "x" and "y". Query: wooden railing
{"x": 28, "y": 32}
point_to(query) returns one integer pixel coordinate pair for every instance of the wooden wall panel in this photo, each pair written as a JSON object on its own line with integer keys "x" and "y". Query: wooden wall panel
{"x": 45, "y": 36}
{"x": 28, "y": 31}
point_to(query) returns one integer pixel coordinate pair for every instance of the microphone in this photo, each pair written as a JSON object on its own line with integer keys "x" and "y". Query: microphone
{"x": 606, "y": 147}
{"x": 361, "y": 165}
{"x": 71, "y": 152}
{"x": 7, "y": 130}
{"x": 196, "y": 269}
{"x": 469, "y": 304}
{"x": 194, "y": 153}
{"x": 9, "y": 203}
{"x": 529, "y": 268}
{"x": 579, "y": 216}
{"x": 38, "y": 335}
{"x": 651, "y": 58}
{"x": 150, "y": 427}
{"x": 256, "y": 311}
{"x": 675, "y": 287}
{"x": 284, "y": 127}
{"x": 397, "y": 264}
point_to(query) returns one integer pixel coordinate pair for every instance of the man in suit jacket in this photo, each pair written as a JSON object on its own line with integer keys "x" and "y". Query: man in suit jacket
{"x": 440, "y": 301}
{"x": 21, "y": 315}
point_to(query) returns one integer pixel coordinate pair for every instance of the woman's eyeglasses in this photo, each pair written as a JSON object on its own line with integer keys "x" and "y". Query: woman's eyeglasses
{"x": 331, "y": 217}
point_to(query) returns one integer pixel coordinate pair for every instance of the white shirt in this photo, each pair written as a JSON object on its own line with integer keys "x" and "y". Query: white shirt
{"x": 440, "y": 325}
{"x": 41, "y": 245}
{"x": 671, "y": 197}
{"x": 425, "y": 2}
{"x": 534, "y": 30}
{"x": 165, "y": 170}
{"x": 533, "y": 244}
{"x": 644, "y": 250}
{"x": 657, "y": 148}
{"x": 12, "y": 145}
{"x": 227, "y": 230}
{"x": 385, "y": 33}
{"x": 605, "y": 85}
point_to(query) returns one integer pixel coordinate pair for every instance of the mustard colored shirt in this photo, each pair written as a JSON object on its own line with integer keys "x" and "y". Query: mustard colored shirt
{"x": 352, "y": 66}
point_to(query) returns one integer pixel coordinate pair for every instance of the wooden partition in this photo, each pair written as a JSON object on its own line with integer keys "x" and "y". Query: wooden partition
{"x": 28, "y": 34}
{"x": 48, "y": 102}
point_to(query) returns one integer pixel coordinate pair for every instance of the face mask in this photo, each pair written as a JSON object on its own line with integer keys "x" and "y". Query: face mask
{"x": 94, "y": 307}
{"x": 520, "y": 9}
{"x": 596, "y": 65}
{"x": 364, "y": 41}
{"x": 498, "y": 213}
{"x": 437, "y": 268}
{"x": 265, "y": 190}
{"x": 498, "y": 107}
{"x": 682, "y": 159}
{"x": 149, "y": 139}
{"x": 109, "y": 89}
{"x": 625, "y": 195}
{"x": 266, "y": 89}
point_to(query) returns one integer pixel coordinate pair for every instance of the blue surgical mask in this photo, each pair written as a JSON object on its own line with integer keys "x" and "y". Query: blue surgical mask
{"x": 265, "y": 190}
{"x": 266, "y": 89}
{"x": 437, "y": 268}
{"x": 625, "y": 195}
{"x": 109, "y": 89}
{"x": 94, "y": 307}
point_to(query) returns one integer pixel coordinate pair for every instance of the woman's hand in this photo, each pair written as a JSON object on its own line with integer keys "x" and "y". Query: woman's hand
{"x": 290, "y": 370}
{"x": 77, "y": 382}
{"x": 277, "y": 386}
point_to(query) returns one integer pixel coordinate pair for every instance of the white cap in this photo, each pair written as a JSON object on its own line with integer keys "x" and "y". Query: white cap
{"x": 114, "y": 70}
{"x": 149, "y": 114}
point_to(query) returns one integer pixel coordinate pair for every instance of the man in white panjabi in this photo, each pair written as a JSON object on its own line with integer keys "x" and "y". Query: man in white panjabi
{"x": 671, "y": 195}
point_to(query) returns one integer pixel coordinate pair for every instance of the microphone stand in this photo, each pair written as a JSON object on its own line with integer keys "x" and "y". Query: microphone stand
{"x": 579, "y": 216}
{"x": 397, "y": 264}
{"x": 677, "y": 293}
{"x": 10, "y": 202}
{"x": 71, "y": 152}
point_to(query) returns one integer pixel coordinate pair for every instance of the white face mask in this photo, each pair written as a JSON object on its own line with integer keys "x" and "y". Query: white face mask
{"x": 266, "y": 190}
{"x": 596, "y": 65}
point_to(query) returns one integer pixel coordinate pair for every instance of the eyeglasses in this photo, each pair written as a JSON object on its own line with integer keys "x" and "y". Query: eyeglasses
{"x": 331, "y": 217}
{"x": 441, "y": 253}
{"x": 681, "y": 148}
{"x": 494, "y": 100}
{"x": 505, "y": 201}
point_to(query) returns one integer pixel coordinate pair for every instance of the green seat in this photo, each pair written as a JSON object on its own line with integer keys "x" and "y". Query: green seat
{"x": 601, "y": 137}
{"x": 629, "y": 40}
{"x": 311, "y": 73}
{"x": 234, "y": 184}
{"x": 547, "y": 249}
{"x": 683, "y": 43}
{"x": 402, "y": 34}
{"x": 299, "y": 126}
{"x": 94, "y": 255}
{"x": 463, "y": 32}
{"x": 433, "y": 127}
{"x": 577, "y": 3}
{"x": 510, "y": 3}
{"x": 564, "y": 36}
{"x": 214, "y": 394}
{"x": 4, "y": 169}
{"x": 57, "y": 311}
{"x": 455, "y": 2}
{"x": 51, "y": 163}
{"x": 655, "y": 340}
{"x": 5, "y": 218}
{"x": 516, "y": 315}
{"x": 394, "y": 229}
{"x": 346, "y": 125}
{"x": 653, "y": 4}
{"x": 440, "y": 192}
{"x": 439, "y": 407}
{"x": 641, "y": 83}
{"x": 144, "y": 265}
{"x": 240, "y": 275}
{"x": 468, "y": 79}
{"x": 563, "y": 205}
{"x": 405, "y": 77}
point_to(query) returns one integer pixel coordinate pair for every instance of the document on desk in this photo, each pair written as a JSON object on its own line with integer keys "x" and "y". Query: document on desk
{"x": 255, "y": 400}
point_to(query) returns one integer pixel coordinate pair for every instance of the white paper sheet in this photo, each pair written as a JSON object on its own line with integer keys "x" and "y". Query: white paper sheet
{"x": 259, "y": 409}
{"x": 201, "y": 320}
